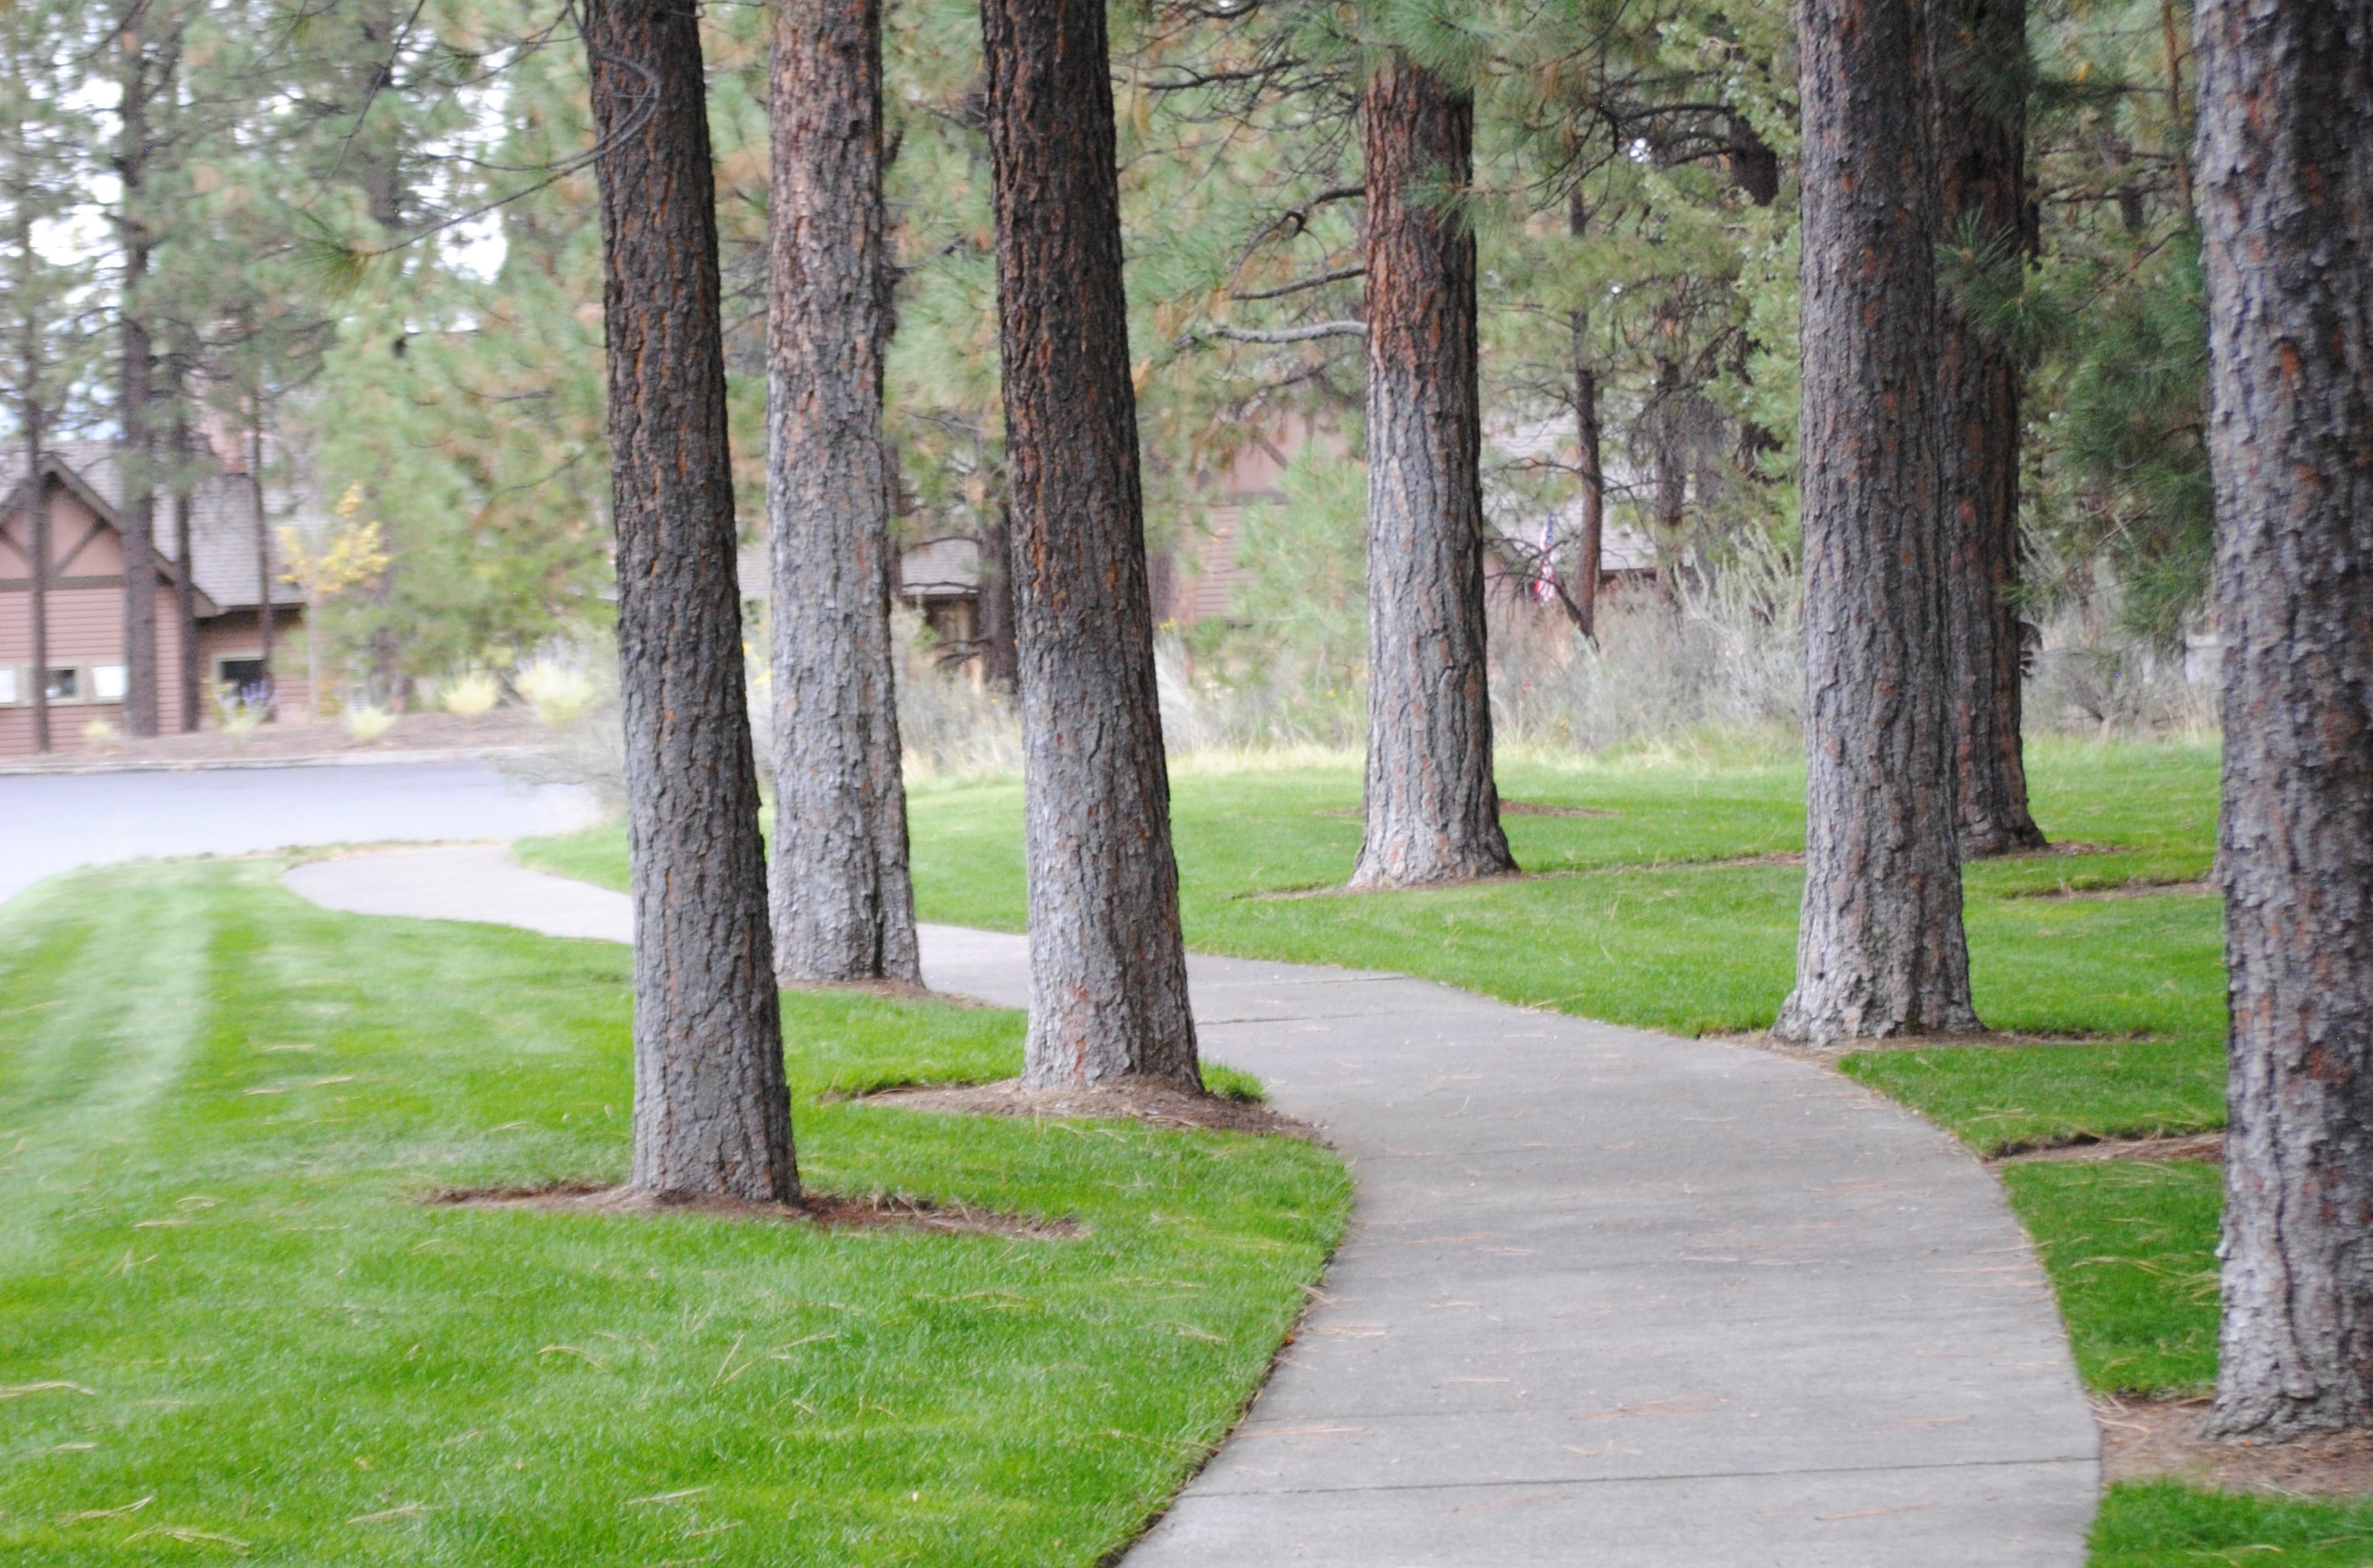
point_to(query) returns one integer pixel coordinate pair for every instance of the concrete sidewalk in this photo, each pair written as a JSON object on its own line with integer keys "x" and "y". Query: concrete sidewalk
{"x": 1610, "y": 1298}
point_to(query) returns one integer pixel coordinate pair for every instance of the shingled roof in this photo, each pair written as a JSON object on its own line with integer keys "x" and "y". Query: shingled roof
{"x": 222, "y": 523}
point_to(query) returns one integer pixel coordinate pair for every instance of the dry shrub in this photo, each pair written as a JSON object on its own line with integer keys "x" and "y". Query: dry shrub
{"x": 469, "y": 695}
{"x": 951, "y": 725}
{"x": 2095, "y": 677}
{"x": 366, "y": 723}
{"x": 1725, "y": 653}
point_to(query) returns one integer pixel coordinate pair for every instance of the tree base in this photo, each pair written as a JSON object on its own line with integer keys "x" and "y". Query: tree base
{"x": 1832, "y": 1020}
{"x": 1996, "y": 840}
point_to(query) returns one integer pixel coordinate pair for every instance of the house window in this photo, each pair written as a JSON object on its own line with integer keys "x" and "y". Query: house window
{"x": 63, "y": 685}
{"x": 7, "y": 686}
{"x": 245, "y": 682}
{"x": 107, "y": 683}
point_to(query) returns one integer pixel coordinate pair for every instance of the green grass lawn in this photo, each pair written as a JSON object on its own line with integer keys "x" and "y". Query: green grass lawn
{"x": 1640, "y": 924}
{"x": 2132, "y": 1250}
{"x": 226, "y": 1327}
{"x": 1637, "y": 928}
{"x": 1633, "y": 926}
{"x": 1637, "y": 922}
{"x": 2161, "y": 1524}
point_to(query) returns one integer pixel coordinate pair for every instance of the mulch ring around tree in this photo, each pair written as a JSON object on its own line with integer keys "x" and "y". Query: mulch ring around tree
{"x": 1992, "y": 1039}
{"x": 2149, "y": 1439}
{"x": 832, "y": 1211}
{"x": 2206, "y": 1148}
{"x": 2139, "y": 887}
{"x": 1151, "y": 1101}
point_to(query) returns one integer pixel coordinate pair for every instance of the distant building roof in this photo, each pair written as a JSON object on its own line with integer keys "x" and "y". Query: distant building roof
{"x": 222, "y": 524}
{"x": 938, "y": 568}
{"x": 1621, "y": 548}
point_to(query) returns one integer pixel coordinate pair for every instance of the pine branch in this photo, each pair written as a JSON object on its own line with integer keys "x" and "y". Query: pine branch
{"x": 1338, "y": 276}
{"x": 1310, "y": 334}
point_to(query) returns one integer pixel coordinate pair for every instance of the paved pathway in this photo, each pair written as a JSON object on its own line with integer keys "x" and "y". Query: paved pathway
{"x": 1610, "y": 1298}
{"x": 52, "y": 823}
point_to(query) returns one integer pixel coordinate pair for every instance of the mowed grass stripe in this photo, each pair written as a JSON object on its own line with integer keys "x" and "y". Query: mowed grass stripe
{"x": 285, "y": 1350}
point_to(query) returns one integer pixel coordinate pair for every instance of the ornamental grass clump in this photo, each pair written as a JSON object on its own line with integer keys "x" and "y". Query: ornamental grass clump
{"x": 367, "y": 722}
{"x": 559, "y": 693}
{"x": 467, "y": 696}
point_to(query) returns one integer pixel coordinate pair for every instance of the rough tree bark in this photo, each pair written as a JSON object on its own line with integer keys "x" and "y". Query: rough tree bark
{"x": 1590, "y": 441}
{"x": 1668, "y": 462}
{"x": 844, "y": 904}
{"x": 1107, "y": 964}
{"x": 264, "y": 573}
{"x": 134, "y": 448}
{"x": 1879, "y": 947}
{"x": 185, "y": 584}
{"x": 711, "y": 1114}
{"x": 2285, "y": 181}
{"x": 37, "y": 521}
{"x": 1000, "y": 660}
{"x": 1430, "y": 810}
{"x": 1978, "y": 116}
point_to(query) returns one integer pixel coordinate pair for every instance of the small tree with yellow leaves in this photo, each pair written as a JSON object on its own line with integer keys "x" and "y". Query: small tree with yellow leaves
{"x": 351, "y": 554}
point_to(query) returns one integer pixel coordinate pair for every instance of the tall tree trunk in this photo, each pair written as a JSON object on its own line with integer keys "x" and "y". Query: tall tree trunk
{"x": 1668, "y": 464}
{"x": 1000, "y": 660}
{"x": 264, "y": 574}
{"x": 185, "y": 584}
{"x": 1879, "y": 947}
{"x": 844, "y": 904}
{"x": 1978, "y": 118}
{"x": 30, "y": 420}
{"x": 379, "y": 158}
{"x": 1107, "y": 964}
{"x": 1590, "y": 441}
{"x": 37, "y": 527}
{"x": 1432, "y": 811}
{"x": 2285, "y": 176}
{"x": 711, "y": 1114}
{"x": 136, "y": 457}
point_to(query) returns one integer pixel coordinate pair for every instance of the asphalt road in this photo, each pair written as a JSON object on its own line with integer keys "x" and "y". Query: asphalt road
{"x": 52, "y": 823}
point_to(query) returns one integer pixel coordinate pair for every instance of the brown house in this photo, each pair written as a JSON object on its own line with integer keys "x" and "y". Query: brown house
{"x": 85, "y": 601}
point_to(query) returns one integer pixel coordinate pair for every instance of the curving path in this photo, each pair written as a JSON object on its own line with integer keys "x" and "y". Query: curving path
{"x": 1610, "y": 1298}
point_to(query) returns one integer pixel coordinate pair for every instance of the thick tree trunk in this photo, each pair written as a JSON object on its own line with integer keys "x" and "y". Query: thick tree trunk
{"x": 711, "y": 1114}
{"x": 264, "y": 573}
{"x": 1668, "y": 466}
{"x": 1979, "y": 48}
{"x": 185, "y": 585}
{"x": 135, "y": 449}
{"x": 2286, "y": 162}
{"x": 1590, "y": 442}
{"x": 844, "y": 905}
{"x": 1107, "y": 964}
{"x": 380, "y": 157}
{"x": 37, "y": 520}
{"x": 1432, "y": 811}
{"x": 1879, "y": 947}
{"x": 1000, "y": 660}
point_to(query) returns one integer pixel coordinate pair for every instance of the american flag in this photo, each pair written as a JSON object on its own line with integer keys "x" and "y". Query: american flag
{"x": 1545, "y": 577}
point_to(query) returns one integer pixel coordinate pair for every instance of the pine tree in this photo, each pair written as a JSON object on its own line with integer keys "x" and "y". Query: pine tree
{"x": 844, "y": 906}
{"x": 1978, "y": 117}
{"x": 1880, "y": 949}
{"x": 711, "y": 1112}
{"x": 47, "y": 347}
{"x": 1107, "y": 960}
{"x": 2286, "y": 208}
{"x": 1430, "y": 809}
